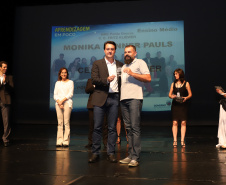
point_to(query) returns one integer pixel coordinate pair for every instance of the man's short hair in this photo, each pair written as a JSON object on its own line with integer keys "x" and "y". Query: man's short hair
{"x": 134, "y": 47}
{"x": 110, "y": 42}
{"x": 3, "y": 62}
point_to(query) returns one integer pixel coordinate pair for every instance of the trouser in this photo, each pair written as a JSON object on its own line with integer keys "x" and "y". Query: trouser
{"x": 5, "y": 109}
{"x": 131, "y": 110}
{"x": 63, "y": 129}
{"x": 91, "y": 127}
{"x": 111, "y": 109}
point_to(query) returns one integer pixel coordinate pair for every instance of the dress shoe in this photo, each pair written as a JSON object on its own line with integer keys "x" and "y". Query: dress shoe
{"x": 6, "y": 144}
{"x": 94, "y": 158}
{"x": 112, "y": 158}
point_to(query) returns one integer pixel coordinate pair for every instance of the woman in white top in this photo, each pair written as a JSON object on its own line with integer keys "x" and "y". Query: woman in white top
{"x": 222, "y": 123}
{"x": 63, "y": 92}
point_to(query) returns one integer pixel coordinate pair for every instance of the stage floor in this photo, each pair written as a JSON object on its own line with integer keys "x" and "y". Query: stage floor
{"x": 33, "y": 159}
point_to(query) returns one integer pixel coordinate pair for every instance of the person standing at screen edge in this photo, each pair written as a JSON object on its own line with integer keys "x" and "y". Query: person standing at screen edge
{"x": 105, "y": 100}
{"x": 180, "y": 92}
{"x": 63, "y": 93}
{"x": 134, "y": 73}
{"x": 222, "y": 120}
{"x": 6, "y": 89}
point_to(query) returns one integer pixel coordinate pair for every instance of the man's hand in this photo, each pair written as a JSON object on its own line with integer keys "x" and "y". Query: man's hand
{"x": 219, "y": 91}
{"x": 111, "y": 78}
{"x": 128, "y": 71}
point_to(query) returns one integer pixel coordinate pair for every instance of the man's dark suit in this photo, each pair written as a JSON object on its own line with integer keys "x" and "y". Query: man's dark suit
{"x": 99, "y": 79}
{"x": 104, "y": 102}
{"x": 5, "y": 102}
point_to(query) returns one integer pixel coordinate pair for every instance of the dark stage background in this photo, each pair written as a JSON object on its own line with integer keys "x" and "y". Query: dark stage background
{"x": 26, "y": 40}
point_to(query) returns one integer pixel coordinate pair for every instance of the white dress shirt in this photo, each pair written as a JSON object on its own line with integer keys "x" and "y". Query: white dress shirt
{"x": 112, "y": 70}
{"x": 1, "y": 78}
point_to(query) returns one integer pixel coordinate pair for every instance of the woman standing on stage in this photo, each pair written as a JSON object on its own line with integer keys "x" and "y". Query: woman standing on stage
{"x": 63, "y": 92}
{"x": 222, "y": 121}
{"x": 180, "y": 92}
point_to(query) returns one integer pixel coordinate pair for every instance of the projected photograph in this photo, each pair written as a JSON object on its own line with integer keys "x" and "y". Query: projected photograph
{"x": 159, "y": 44}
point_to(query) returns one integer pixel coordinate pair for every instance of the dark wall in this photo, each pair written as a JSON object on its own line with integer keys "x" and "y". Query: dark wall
{"x": 6, "y": 33}
{"x": 205, "y": 30}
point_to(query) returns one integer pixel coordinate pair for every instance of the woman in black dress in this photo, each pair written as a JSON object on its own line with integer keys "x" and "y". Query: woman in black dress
{"x": 180, "y": 92}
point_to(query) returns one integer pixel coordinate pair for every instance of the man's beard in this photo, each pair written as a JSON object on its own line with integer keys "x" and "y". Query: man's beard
{"x": 128, "y": 61}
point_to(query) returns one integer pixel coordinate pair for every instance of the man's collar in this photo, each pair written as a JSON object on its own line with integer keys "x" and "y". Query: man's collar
{"x": 107, "y": 61}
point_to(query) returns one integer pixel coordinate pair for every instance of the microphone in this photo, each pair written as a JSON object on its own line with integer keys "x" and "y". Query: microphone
{"x": 119, "y": 71}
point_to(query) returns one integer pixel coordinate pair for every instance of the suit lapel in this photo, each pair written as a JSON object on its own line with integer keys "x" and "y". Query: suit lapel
{"x": 105, "y": 68}
{"x": 7, "y": 79}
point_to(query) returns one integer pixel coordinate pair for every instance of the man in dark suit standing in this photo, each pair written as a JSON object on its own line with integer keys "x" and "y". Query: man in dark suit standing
{"x": 106, "y": 78}
{"x": 6, "y": 87}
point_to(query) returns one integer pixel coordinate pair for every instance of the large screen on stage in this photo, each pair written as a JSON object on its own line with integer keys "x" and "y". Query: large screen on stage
{"x": 159, "y": 44}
